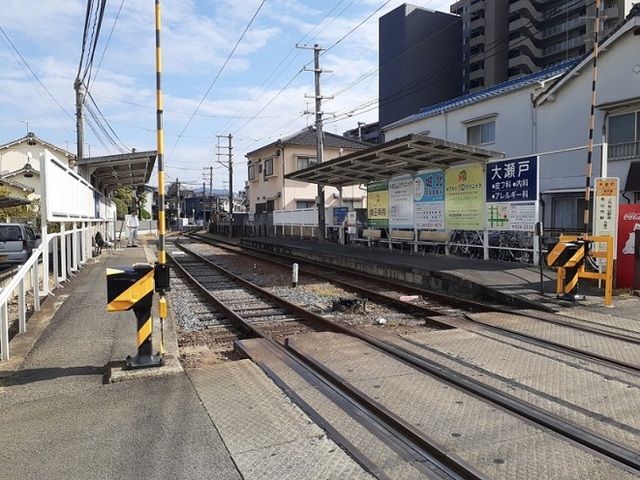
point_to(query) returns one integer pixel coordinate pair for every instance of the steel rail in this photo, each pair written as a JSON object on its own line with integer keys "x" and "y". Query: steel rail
{"x": 477, "y": 306}
{"x": 440, "y": 457}
{"x": 462, "y": 382}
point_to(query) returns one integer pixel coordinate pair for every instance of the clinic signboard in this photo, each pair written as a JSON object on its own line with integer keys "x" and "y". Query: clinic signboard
{"x": 464, "y": 197}
{"x": 378, "y": 204}
{"x": 401, "y": 202}
{"x": 512, "y": 194}
{"x": 428, "y": 197}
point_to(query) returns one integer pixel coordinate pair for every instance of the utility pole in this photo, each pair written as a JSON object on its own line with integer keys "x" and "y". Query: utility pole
{"x": 319, "y": 135}
{"x": 204, "y": 196}
{"x": 178, "y": 196}
{"x": 207, "y": 174}
{"x": 80, "y": 92}
{"x": 229, "y": 166}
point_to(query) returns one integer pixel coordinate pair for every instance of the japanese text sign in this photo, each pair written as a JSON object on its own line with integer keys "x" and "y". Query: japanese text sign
{"x": 513, "y": 180}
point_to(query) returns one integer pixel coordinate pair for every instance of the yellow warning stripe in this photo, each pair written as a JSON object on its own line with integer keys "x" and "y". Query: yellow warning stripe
{"x": 553, "y": 255}
{"x": 145, "y": 331}
{"x": 573, "y": 261}
{"x": 571, "y": 284}
{"x": 133, "y": 294}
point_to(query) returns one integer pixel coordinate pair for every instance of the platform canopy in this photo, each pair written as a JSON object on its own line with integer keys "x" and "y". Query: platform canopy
{"x": 402, "y": 156}
{"x": 123, "y": 170}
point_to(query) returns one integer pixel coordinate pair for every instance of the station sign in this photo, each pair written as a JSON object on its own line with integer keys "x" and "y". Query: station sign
{"x": 464, "y": 197}
{"x": 428, "y": 197}
{"x": 512, "y": 194}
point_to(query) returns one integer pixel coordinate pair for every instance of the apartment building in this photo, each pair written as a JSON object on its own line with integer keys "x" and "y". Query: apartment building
{"x": 505, "y": 39}
{"x": 268, "y": 190}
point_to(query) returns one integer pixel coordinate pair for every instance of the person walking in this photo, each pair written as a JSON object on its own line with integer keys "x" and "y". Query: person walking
{"x": 132, "y": 225}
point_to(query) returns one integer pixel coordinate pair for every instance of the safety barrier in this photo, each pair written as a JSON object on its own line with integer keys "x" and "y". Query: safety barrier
{"x": 569, "y": 256}
{"x": 30, "y": 270}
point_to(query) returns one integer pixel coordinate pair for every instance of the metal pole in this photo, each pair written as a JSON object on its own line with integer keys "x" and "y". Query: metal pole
{"x": 79, "y": 88}
{"x": 210, "y": 194}
{"x": 592, "y": 120}
{"x": 161, "y": 275}
{"x": 230, "y": 186}
{"x": 319, "y": 140}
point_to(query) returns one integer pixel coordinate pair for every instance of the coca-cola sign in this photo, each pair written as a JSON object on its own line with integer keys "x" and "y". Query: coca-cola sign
{"x": 631, "y": 217}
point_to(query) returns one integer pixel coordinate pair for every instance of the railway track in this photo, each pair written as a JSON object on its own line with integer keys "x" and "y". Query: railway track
{"x": 262, "y": 314}
{"x": 437, "y": 306}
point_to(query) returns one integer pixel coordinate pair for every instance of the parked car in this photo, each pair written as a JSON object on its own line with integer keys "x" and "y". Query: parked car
{"x": 16, "y": 243}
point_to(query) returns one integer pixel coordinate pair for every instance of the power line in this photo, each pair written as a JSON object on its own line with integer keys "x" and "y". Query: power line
{"x": 106, "y": 46}
{"x": 217, "y": 76}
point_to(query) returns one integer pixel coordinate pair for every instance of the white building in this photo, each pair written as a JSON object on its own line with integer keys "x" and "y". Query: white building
{"x": 268, "y": 190}
{"x": 549, "y": 112}
{"x": 20, "y": 160}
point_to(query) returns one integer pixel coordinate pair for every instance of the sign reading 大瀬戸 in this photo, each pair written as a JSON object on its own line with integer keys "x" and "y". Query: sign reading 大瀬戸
{"x": 464, "y": 197}
{"x": 401, "y": 202}
{"x": 378, "y": 204}
{"x": 428, "y": 196}
{"x": 512, "y": 194}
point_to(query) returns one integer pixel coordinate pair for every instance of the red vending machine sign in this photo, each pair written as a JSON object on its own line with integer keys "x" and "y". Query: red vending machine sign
{"x": 629, "y": 217}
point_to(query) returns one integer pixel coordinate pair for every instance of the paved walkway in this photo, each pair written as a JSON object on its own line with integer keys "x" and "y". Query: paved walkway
{"x": 59, "y": 421}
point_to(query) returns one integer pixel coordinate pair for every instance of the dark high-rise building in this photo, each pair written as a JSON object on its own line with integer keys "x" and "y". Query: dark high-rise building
{"x": 420, "y": 61}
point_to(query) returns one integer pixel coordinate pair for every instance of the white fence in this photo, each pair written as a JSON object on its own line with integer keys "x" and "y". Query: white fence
{"x": 69, "y": 201}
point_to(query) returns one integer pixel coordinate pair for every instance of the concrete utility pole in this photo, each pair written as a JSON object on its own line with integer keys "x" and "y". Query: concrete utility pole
{"x": 80, "y": 92}
{"x": 178, "y": 196}
{"x": 319, "y": 135}
{"x": 229, "y": 166}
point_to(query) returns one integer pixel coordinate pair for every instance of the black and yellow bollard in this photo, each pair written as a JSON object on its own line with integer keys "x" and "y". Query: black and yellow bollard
{"x": 569, "y": 258}
{"x": 132, "y": 289}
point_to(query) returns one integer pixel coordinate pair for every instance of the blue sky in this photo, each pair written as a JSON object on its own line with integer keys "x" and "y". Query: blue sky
{"x": 197, "y": 37}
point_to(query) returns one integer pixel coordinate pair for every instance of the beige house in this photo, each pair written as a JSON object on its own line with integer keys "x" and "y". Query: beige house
{"x": 20, "y": 160}
{"x": 268, "y": 190}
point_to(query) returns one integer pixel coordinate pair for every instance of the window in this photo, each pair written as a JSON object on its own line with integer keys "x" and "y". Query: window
{"x": 305, "y": 203}
{"x": 482, "y": 134}
{"x": 304, "y": 162}
{"x": 10, "y": 233}
{"x": 268, "y": 167}
{"x": 624, "y": 136}
{"x": 252, "y": 172}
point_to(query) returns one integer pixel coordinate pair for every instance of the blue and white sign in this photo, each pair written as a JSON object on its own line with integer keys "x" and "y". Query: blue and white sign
{"x": 512, "y": 194}
{"x": 339, "y": 215}
{"x": 514, "y": 180}
{"x": 428, "y": 196}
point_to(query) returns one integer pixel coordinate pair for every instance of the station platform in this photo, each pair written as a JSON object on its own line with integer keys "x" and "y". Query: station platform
{"x": 503, "y": 282}
{"x": 61, "y": 417}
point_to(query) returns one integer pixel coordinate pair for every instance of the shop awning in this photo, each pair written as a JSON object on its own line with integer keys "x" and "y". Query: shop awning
{"x": 405, "y": 155}
{"x": 123, "y": 170}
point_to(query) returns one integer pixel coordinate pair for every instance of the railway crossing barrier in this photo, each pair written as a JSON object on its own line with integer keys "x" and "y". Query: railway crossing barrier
{"x": 132, "y": 289}
{"x": 569, "y": 256}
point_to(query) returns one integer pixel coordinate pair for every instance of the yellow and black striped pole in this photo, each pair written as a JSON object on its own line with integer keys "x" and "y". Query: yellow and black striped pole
{"x": 132, "y": 289}
{"x": 592, "y": 119}
{"x": 162, "y": 270}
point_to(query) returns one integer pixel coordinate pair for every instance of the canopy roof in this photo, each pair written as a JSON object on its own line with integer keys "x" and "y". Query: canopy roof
{"x": 123, "y": 170}
{"x": 405, "y": 155}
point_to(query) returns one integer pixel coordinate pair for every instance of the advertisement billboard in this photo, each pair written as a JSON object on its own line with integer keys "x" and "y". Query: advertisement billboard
{"x": 378, "y": 204}
{"x": 428, "y": 196}
{"x": 464, "y": 198}
{"x": 401, "y": 202}
{"x": 512, "y": 194}
{"x": 628, "y": 223}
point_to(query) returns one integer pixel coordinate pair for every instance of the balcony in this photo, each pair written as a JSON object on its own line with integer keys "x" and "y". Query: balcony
{"x": 624, "y": 151}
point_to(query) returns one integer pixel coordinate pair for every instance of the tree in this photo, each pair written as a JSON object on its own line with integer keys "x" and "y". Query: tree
{"x": 123, "y": 197}
{"x": 23, "y": 212}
